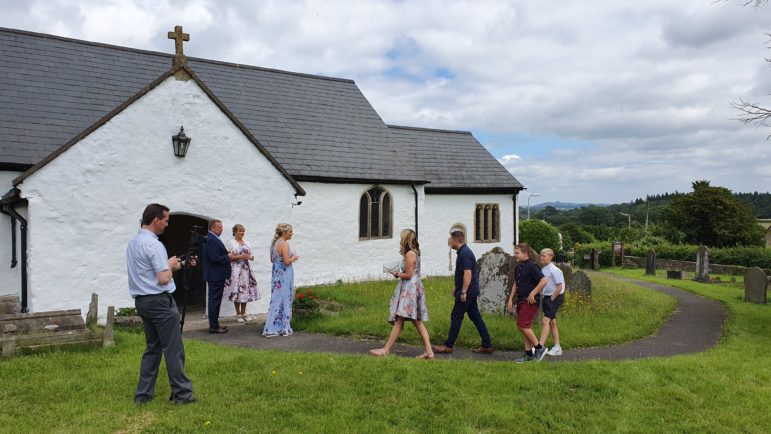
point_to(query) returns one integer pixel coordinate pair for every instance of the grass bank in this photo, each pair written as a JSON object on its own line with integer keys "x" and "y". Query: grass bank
{"x": 618, "y": 312}
{"x": 726, "y": 389}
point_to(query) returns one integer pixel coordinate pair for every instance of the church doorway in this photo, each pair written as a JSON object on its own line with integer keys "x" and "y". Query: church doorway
{"x": 178, "y": 238}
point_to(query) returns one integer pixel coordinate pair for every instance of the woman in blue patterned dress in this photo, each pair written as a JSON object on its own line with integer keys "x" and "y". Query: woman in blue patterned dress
{"x": 242, "y": 287}
{"x": 282, "y": 283}
{"x": 409, "y": 299}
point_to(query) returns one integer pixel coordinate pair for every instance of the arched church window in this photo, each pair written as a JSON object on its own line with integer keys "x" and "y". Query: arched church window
{"x": 487, "y": 227}
{"x": 375, "y": 214}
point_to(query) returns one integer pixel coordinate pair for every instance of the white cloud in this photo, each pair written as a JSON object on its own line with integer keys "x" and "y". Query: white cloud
{"x": 644, "y": 87}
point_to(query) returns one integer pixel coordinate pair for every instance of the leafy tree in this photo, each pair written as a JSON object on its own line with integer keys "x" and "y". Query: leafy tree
{"x": 596, "y": 215}
{"x": 714, "y": 217}
{"x": 573, "y": 233}
{"x": 539, "y": 235}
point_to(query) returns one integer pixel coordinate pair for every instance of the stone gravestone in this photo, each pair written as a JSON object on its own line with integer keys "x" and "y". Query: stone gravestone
{"x": 595, "y": 259}
{"x": 674, "y": 274}
{"x": 581, "y": 284}
{"x": 496, "y": 276}
{"x": 650, "y": 264}
{"x": 755, "y": 285}
{"x": 702, "y": 265}
{"x": 567, "y": 272}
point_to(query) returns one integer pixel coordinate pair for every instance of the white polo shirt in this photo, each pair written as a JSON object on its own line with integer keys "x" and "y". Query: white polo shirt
{"x": 555, "y": 277}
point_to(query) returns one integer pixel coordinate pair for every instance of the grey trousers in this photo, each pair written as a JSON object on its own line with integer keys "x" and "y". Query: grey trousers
{"x": 163, "y": 336}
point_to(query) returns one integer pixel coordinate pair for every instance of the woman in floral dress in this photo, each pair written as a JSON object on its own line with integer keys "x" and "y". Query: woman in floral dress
{"x": 282, "y": 283}
{"x": 409, "y": 299}
{"x": 242, "y": 288}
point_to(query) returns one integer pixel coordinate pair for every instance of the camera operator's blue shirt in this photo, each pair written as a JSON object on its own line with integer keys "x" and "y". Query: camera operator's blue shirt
{"x": 146, "y": 256}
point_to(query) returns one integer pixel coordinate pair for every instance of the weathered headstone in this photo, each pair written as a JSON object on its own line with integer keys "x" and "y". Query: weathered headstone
{"x": 567, "y": 272}
{"x": 755, "y": 285}
{"x": 496, "y": 276}
{"x": 650, "y": 264}
{"x": 581, "y": 283}
{"x": 702, "y": 265}
{"x": 92, "y": 311}
{"x": 595, "y": 259}
{"x": 618, "y": 251}
{"x": 674, "y": 274}
{"x": 108, "y": 336}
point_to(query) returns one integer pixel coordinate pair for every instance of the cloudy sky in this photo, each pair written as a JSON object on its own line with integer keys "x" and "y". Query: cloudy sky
{"x": 595, "y": 101}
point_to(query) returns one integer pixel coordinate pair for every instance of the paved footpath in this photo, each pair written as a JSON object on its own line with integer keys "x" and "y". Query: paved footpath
{"x": 696, "y": 325}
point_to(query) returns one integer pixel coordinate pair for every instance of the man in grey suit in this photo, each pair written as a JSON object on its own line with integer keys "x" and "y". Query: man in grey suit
{"x": 151, "y": 286}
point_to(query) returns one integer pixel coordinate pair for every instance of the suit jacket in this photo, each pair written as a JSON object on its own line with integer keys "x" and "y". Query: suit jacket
{"x": 216, "y": 263}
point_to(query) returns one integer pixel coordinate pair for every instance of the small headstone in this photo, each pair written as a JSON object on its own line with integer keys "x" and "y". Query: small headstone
{"x": 108, "y": 336}
{"x": 567, "y": 272}
{"x": 702, "y": 265}
{"x": 595, "y": 259}
{"x": 755, "y": 285}
{"x": 581, "y": 283}
{"x": 496, "y": 274}
{"x": 672, "y": 274}
{"x": 650, "y": 264}
{"x": 8, "y": 343}
{"x": 92, "y": 311}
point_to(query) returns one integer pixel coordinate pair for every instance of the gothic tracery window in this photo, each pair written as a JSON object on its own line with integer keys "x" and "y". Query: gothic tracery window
{"x": 375, "y": 214}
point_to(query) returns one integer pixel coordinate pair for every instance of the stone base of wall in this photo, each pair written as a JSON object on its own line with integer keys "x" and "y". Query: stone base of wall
{"x": 673, "y": 265}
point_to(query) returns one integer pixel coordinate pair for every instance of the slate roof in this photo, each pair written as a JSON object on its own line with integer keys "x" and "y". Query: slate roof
{"x": 316, "y": 128}
{"x": 454, "y": 160}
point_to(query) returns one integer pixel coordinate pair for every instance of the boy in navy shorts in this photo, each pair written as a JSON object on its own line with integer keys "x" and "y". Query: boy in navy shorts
{"x": 553, "y": 297}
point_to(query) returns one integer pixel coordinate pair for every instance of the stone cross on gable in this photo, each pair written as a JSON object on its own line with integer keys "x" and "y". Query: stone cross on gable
{"x": 179, "y": 37}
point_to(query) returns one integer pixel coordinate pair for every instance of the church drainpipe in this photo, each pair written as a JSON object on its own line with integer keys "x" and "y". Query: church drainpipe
{"x": 516, "y": 227}
{"x": 416, "y": 209}
{"x": 8, "y": 210}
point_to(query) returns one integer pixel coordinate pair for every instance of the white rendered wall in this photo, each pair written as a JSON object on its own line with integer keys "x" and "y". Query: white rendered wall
{"x": 326, "y": 233}
{"x": 85, "y": 205}
{"x": 442, "y": 211}
{"x": 10, "y": 278}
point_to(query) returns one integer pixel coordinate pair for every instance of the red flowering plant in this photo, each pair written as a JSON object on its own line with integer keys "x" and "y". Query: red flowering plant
{"x": 306, "y": 302}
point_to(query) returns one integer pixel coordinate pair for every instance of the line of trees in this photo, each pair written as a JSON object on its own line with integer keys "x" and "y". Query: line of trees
{"x": 709, "y": 215}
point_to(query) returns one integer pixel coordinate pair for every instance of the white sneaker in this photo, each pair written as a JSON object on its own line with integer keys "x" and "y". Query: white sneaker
{"x": 249, "y": 318}
{"x": 239, "y": 318}
{"x": 555, "y": 351}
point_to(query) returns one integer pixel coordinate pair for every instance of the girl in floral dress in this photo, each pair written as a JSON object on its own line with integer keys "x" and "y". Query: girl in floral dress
{"x": 409, "y": 299}
{"x": 282, "y": 283}
{"x": 242, "y": 288}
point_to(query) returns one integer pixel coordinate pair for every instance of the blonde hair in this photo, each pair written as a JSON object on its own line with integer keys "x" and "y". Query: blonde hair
{"x": 237, "y": 227}
{"x": 281, "y": 229}
{"x": 548, "y": 251}
{"x": 408, "y": 242}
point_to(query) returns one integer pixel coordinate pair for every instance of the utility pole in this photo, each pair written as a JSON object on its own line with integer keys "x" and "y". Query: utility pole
{"x": 528, "y": 203}
{"x": 628, "y": 218}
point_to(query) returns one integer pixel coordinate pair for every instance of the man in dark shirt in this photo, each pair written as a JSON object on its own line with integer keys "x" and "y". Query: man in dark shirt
{"x": 528, "y": 283}
{"x": 466, "y": 292}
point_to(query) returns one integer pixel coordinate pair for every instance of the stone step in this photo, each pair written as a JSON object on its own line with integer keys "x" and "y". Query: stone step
{"x": 9, "y": 305}
{"x": 38, "y": 322}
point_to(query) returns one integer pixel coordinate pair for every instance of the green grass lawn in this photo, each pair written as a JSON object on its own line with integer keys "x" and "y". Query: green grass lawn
{"x": 726, "y": 389}
{"x": 618, "y": 312}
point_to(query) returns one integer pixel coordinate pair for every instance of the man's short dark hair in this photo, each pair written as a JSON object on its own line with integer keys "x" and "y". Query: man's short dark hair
{"x": 213, "y": 222}
{"x": 152, "y": 212}
{"x": 458, "y": 236}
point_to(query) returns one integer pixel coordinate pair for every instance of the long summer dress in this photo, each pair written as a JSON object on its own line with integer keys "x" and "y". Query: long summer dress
{"x": 243, "y": 285}
{"x": 281, "y": 296}
{"x": 409, "y": 299}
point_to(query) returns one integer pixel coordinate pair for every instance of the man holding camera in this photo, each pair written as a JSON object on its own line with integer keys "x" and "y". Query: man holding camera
{"x": 151, "y": 286}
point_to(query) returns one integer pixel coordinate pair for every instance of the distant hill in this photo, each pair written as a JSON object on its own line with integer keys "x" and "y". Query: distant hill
{"x": 564, "y": 206}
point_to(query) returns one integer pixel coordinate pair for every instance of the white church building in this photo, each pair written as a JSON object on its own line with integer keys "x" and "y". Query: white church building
{"x": 86, "y": 143}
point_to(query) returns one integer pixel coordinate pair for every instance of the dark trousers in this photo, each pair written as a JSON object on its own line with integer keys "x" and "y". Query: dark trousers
{"x": 471, "y": 308}
{"x": 163, "y": 336}
{"x": 215, "y": 301}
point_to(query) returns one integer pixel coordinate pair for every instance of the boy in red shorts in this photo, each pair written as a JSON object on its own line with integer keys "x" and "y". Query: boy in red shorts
{"x": 528, "y": 282}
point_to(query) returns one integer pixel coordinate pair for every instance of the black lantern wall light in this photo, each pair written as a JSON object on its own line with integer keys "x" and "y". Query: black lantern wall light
{"x": 180, "y": 142}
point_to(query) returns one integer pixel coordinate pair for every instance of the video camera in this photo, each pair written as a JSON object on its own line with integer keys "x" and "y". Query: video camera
{"x": 193, "y": 245}
{"x": 192, "y": 277}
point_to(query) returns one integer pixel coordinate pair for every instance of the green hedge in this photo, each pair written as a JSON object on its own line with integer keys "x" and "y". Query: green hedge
{"x": 742, "y": 256}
